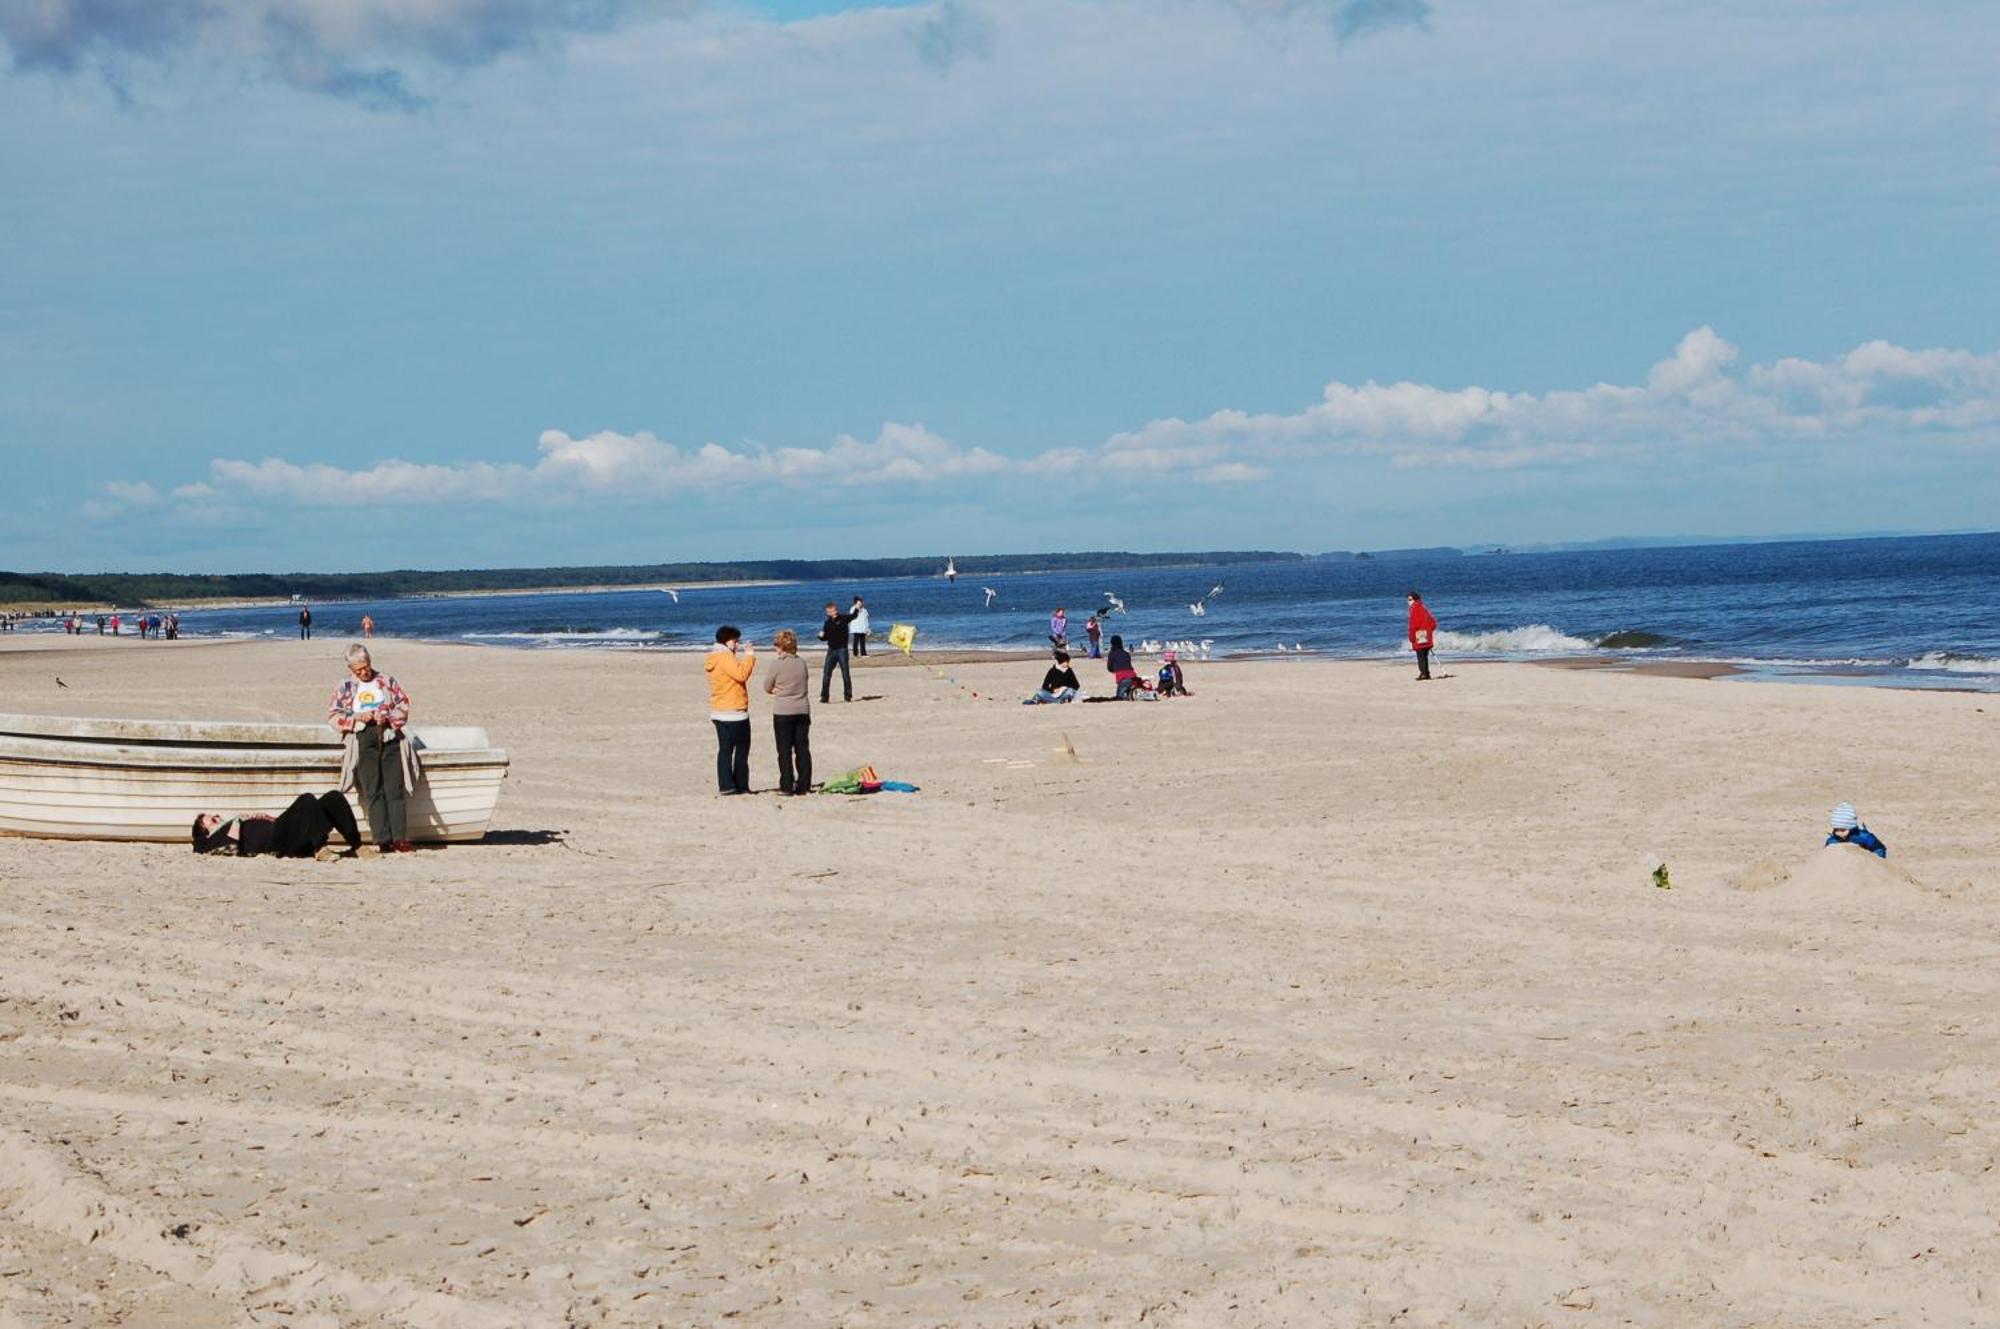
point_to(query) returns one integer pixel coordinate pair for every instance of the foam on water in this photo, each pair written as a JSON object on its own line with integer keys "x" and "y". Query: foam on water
{"x": 1533, "y": 639}
{"x": 1952, "y": 662}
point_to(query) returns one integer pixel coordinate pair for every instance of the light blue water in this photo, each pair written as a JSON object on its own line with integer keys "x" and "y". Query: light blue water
{"x": 1921, "y": 611}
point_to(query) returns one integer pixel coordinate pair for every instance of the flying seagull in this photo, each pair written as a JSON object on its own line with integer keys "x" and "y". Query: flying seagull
{"x": 674, "y": 593}
{"x": 1213, "y": 591}
{"x": 990, "y": 593}
{"x": 1112, "y": 604}
{"x": 1199, "y": 609}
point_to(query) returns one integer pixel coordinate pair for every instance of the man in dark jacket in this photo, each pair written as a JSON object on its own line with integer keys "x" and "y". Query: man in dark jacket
{"x": 834, "y": 633}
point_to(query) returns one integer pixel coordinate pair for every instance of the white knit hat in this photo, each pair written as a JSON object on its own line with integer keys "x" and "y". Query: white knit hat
{"x": 1844, "y": 818}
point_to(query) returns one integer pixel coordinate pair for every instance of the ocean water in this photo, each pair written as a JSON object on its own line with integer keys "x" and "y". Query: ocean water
{"x": 1921, "y": 611}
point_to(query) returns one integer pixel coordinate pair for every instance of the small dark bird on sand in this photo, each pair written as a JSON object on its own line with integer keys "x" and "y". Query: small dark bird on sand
{"x": 59, "y": 682}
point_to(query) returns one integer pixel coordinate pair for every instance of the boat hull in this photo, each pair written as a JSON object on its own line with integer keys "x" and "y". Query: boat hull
{"x": 149, "y": 780}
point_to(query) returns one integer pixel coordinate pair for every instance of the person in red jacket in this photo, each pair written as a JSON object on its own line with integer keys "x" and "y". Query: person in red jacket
{"x": 1423, "y": 632}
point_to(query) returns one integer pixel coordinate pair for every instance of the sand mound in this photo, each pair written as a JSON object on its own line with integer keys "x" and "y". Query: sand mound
{"x": 1835, "y": 872}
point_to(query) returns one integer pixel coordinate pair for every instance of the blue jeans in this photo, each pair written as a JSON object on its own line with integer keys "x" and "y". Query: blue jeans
{"x": 1043, "y": 697}
{"x": 835, "y": 655}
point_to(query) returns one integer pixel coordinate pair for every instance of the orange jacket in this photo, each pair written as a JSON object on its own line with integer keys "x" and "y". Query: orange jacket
{"x": 728, "y": 676}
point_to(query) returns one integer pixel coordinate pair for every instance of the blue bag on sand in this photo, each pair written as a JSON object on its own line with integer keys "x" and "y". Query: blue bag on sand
{"x": 898, "y": 787}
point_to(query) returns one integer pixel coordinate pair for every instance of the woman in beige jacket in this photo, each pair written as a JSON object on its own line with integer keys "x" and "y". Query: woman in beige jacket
{"x": 791, "y": 715}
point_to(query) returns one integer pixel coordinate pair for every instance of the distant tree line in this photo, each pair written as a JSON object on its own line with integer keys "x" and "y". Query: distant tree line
{"x": 167, "y": 588}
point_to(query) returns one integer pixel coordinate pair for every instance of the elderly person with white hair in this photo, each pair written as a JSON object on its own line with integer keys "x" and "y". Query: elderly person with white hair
{"x": 370, "y": 710}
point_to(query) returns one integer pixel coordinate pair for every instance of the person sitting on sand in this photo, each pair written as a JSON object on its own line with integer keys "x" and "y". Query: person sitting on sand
{"x": 1118, "y": 661}
{"x": 1844, "y": 827}
{"x": 1173, "y": 683}
{"x": 300, "y": 831}
{"x": 1058, "y": 685}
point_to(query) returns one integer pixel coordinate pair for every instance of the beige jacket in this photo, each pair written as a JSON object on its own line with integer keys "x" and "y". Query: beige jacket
{"x": 350, "y": 758}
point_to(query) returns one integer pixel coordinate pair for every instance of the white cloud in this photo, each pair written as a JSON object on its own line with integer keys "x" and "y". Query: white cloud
{"x": 1695, "y": 398}
{"x": 1692, "y": 398}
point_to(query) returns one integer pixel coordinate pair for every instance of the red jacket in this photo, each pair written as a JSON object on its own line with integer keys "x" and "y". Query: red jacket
{"x": 1422, "y": 627}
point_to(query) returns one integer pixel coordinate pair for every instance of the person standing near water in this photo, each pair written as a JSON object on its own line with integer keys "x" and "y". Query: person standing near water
{"x": 857, "y": 631}
{"x": 1059, "y": 629}
{"x": 729, "y": 666}
{"x": 1423, "y": 635}
{"x": 834, "y": 633}
{"x": 367, "y": 626}
{"x": 791, "y": 714}
{"x": 1095, "y": 631}
{"x": 371, "y": 710}
{"x": 306, "y": 624}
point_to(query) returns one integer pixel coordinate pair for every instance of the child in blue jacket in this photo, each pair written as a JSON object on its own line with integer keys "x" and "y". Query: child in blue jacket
{"x": 1845, "y": 827}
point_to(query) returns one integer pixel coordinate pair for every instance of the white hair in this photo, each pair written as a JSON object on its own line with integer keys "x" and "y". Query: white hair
{"x": 359, "y": 652}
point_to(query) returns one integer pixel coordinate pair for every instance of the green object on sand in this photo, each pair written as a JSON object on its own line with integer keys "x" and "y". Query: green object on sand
{"x": 1660, "y": 877}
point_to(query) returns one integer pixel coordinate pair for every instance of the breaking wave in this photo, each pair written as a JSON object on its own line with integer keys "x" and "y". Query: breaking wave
{"x": 1533, "y": 639}
{"x": 1953, "y": 662}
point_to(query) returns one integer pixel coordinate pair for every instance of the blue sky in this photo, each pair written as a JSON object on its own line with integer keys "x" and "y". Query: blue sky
{"x": 328, "y": 284}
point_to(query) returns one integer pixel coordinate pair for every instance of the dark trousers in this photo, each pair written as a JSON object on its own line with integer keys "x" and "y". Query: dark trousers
{"x": 859, "y": 641}
{"x": 1423, "y": 662}
{"x": 795, "y": 758}
{"x": 379, "y": 767}
{"x": 835, "y": 655}
{"x": 303, "y": 829}
{"x": 732, "y": 756}
{"x": 305, "y": 632}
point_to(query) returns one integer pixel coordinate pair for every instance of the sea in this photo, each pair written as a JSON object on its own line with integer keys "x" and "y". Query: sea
{"x": 1910, "y": 612}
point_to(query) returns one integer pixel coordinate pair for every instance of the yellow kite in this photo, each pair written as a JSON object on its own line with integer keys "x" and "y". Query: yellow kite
{"x": 902, "y": 635}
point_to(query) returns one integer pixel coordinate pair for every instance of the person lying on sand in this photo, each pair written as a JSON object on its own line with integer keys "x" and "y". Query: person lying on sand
{"x": 300, "y": 831}
{"x": 1845, "y": 827}
{"x": 1058, "y": 685}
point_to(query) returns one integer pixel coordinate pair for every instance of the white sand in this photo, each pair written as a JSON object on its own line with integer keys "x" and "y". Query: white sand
{"x": 1323, "y": 998}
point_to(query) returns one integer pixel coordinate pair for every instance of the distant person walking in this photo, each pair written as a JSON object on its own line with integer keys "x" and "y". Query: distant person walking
{"x": 1423, "y": 635}
{"x": 367, "y": 626}
{"x": 857, "y": 631}
{"x": 370, "y": 709}
{"x": 788, "y": 685}
{"x": 834, "y": 633}
{"x": 306, "y": 624}
{"x": 729, "y": 666}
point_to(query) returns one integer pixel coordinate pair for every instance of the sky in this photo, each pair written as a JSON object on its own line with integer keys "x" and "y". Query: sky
{"x": 360, "y": 284}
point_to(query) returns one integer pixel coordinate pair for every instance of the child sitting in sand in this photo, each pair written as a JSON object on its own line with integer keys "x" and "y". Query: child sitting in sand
{"x": 1173, "y": 683}
{"x": 1845, "y": 827}
{"x": 1058, "y": 685}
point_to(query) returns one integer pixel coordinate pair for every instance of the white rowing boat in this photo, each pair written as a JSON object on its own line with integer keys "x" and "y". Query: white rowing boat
{"x": 70, "y": 779}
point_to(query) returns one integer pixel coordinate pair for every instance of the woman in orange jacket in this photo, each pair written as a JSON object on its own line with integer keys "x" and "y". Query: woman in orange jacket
{"x": 729, "y": 666}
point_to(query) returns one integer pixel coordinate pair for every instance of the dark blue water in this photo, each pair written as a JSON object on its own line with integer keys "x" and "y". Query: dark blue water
{"x": 1922, "y": 611}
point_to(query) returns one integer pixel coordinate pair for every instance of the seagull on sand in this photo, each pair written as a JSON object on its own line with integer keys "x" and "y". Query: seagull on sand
{"x": 1205, "y": 643}
{"x": 990, "y": 593}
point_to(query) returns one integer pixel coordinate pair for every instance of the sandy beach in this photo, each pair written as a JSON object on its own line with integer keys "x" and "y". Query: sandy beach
{"x": 1320, "y": 998}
